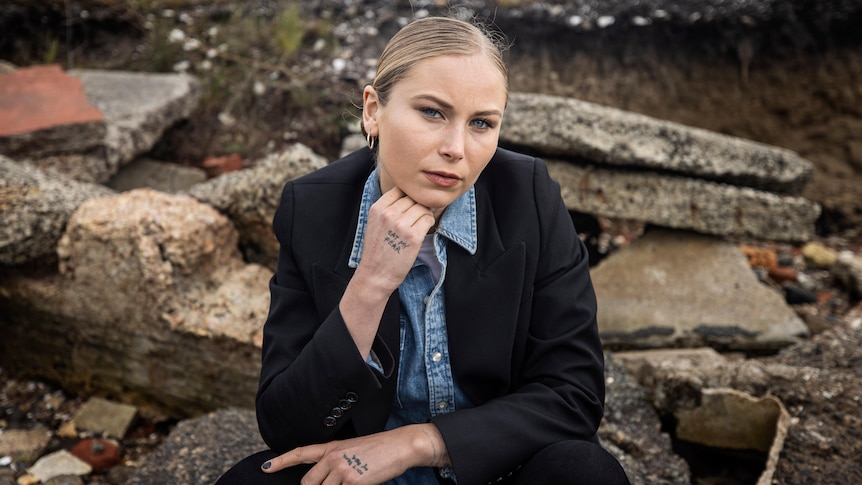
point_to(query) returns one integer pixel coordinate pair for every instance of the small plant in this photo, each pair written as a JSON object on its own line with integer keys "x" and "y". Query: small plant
{"x": 290, "y": 32}
{"x": 50, "y": 56}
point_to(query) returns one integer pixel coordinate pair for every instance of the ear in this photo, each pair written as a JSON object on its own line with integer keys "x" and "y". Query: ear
{"x": 370, "y": 109}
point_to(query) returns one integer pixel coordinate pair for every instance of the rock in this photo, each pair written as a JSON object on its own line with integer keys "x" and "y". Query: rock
{"x": 566, "y": 127}
{"x": 351, "y": 143}
{"x": 216, "y": 166}
{"x": 100, "y": 454}
{"x": 34, "y": 209}
{"x": 671, "y": 289}
{"x": 24, "y": 445}
{"x": 45, "y": 111}
{"x": 65, "y": 480}
{"x": 138, "y": 108}
{"x": 155, "y": 281}
{"x": 632, "y": 431}
{"x": 200, "y": 450}
{"x": 163, "y": 176}
{"x": 783, "y": 274}
{"x": 103, "y": 416}
{"x": 726, "y": 418}
{"x": 759, "y": 257}
{"x": 250, "y": 197}
{"x": 683, "y": 203}
{"x": 818, "y": 255}
{"x": 683, "y": 384}
{"x": 58, "y": 464}
{"x": 815, "y": 379}
{"x": 848, "y": 270}
{"x": 795, "y": 295}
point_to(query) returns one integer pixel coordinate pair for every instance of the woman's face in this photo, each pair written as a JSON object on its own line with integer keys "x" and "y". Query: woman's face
{"x": 439, "y": 127}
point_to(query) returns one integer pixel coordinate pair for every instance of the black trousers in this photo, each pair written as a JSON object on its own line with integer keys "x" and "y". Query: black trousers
{"x": 566, "y": 462}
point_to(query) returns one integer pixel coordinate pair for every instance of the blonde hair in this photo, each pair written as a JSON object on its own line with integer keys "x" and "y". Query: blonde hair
{"x": 433, "y": 37}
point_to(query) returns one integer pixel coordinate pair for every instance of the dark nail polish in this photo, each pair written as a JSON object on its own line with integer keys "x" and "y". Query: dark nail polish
{"x": 266, "y": 465}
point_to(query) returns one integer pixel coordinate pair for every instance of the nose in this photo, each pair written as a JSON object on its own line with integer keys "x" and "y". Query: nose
{"x": 452, "y": 144}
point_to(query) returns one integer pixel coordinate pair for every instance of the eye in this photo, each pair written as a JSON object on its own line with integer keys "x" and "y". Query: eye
{"x": 482, "y": 124}
{"x": 431, "y": 112}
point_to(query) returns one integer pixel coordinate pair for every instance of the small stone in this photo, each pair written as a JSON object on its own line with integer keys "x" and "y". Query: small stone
{"x": 57, "y": 464}
{"x": 795, "y": 295}
{"x": 24, "y": 445}
{"x": 216, "y": 166}
{"x": 99, "y": 453}
{"x": 103, "y": 416}
{"x": 818, "y": 255}
{"x": 67, "y": 430}
{"x": 782, "y": 274}
{"x": 760, "y": 257}
{"x": 27, "y": 480}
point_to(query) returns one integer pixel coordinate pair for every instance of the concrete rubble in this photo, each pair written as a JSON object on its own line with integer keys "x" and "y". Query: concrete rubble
{"x": 136, "y": 107}
{"x": 625, "y": 165}
{"x": 172, "y": 283}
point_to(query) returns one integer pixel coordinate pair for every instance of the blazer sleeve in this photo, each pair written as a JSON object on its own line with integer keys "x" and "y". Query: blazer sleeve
{"x": 313, "y": 380}
{"x": 558, "y": 386}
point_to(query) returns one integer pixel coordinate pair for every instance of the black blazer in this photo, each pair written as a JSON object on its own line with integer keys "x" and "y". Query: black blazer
{"x": 520, "y": 314}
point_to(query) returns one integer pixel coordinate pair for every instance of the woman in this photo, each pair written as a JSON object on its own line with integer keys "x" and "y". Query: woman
{"x": 432, "y": 316}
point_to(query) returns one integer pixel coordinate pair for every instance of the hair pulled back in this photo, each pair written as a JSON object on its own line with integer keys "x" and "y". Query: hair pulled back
{"x": 432, "y": 37}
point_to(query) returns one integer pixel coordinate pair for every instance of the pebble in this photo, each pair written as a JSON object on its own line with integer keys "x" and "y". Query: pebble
{"x": 795, "y": 295}
{"x": 100, "y": 454}
{"x": 57, "y": 464}
{"x": 818, "y": 255}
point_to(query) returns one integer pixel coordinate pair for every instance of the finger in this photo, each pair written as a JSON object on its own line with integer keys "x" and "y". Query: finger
{"x": 296, "y": 456}
{"x": 393, "y": 195}
{"x": 320, "y": 474}
{"x": 424, "y": 219}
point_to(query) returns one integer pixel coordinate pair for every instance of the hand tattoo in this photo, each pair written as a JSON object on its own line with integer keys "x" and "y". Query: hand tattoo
{"x": 394, "y": 242}
{"x": 356, "y": 464}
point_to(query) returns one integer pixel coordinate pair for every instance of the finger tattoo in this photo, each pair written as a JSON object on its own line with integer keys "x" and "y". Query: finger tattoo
{"x": 356, "y": 464}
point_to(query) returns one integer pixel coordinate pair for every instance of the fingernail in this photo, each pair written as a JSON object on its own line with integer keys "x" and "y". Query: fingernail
{"x": 266, "y": 465}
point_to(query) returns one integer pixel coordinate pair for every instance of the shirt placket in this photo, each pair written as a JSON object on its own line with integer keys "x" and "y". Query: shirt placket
{"x": 441, "y": 389}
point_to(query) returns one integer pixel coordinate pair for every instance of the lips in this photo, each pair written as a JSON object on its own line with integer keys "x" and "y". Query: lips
{"x": 442, "y": 179}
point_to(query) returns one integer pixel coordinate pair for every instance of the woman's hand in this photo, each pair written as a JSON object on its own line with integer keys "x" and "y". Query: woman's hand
{"x": 371, "y": 459}
{"x": 396, "y": 227}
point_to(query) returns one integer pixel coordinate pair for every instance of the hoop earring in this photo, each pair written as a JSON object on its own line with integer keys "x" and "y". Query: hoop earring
{"x": 370, "y": 140}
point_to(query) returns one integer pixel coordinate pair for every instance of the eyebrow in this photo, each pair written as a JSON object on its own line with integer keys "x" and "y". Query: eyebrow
{"x": 449, "y": 106}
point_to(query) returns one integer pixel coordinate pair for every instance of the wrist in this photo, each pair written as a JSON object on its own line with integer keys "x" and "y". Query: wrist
{"x": 428, "y": 445}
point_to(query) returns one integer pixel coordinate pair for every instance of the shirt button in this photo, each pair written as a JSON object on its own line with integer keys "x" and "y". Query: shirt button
{"x": 437, "y": 356}
{"x": 442, "y": 405}
{"x": 426, "y": 299}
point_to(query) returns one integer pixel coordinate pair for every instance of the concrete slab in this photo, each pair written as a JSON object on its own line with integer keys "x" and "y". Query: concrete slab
{"x": 44, "y": 110}
{"x": 677, "y": 289}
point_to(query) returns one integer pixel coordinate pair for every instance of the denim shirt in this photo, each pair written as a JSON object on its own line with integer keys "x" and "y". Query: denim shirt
{"x": 426, "y": 387}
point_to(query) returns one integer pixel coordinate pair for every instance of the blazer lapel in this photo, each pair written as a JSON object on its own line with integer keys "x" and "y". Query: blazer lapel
{"x": 483, "y": 301}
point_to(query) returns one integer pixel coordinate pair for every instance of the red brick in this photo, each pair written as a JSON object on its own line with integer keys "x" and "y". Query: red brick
{"x": 40, "y": 97}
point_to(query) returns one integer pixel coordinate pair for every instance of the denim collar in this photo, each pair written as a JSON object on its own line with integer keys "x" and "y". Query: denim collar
{"x": 458, "y": 223}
